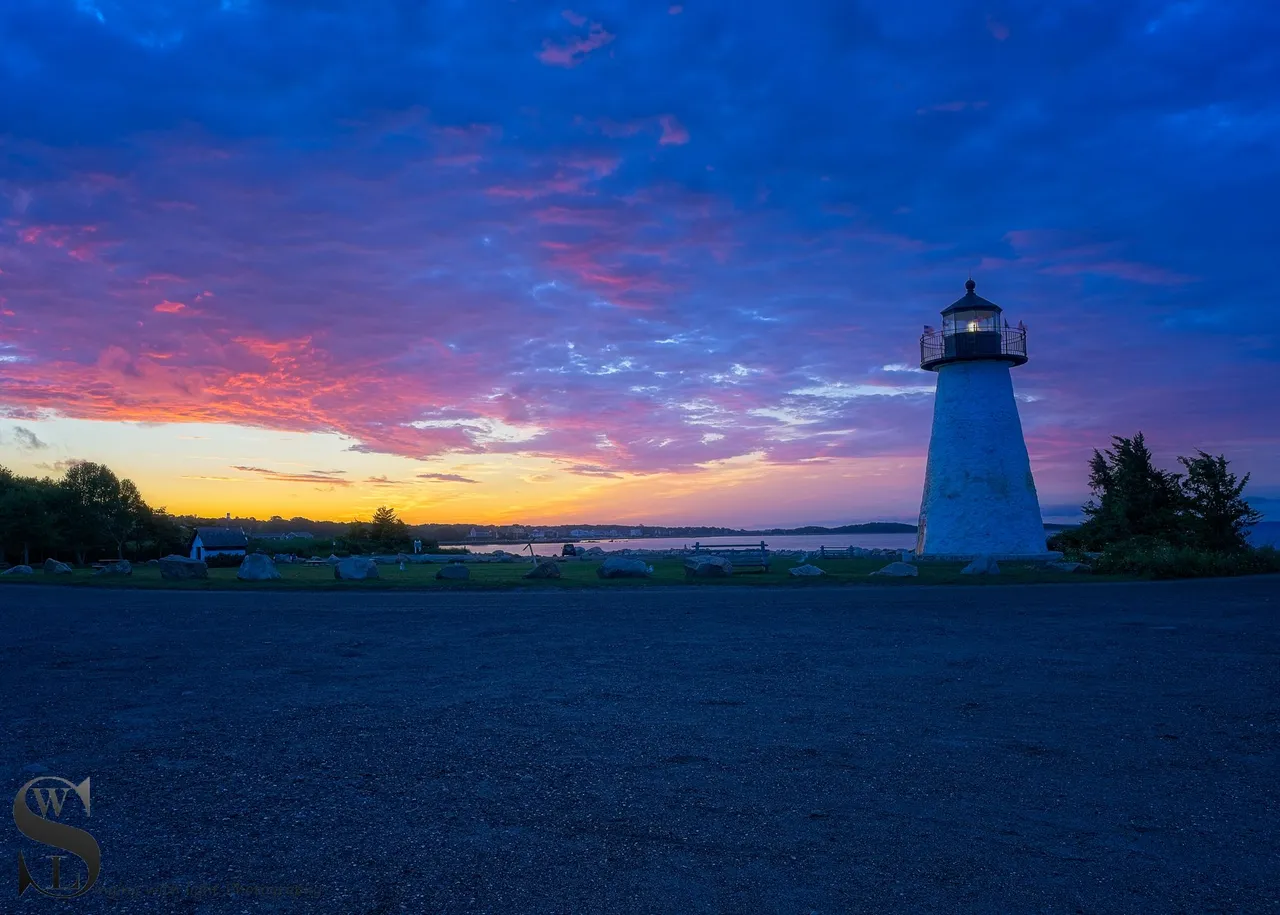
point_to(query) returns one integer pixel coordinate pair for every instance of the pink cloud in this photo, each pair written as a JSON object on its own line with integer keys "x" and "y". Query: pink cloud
{"x": 673, "y": 132}
{"x": 998, "y": 30}
{"x": 574, "y": 51}
{"x": 573, "y": 18}
{"x": 169, "y": 308}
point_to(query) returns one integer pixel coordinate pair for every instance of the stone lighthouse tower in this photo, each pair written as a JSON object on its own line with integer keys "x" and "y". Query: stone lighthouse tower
{"x": 979, "y": 496}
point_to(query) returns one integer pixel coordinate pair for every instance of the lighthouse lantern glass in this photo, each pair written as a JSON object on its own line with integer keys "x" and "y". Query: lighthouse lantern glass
{"x": 970, "y": 321}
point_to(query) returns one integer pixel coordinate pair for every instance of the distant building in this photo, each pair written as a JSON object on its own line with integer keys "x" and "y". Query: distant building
{"x": 218, "y": 541}
{"x": 578, "y": 532}
{"x": 637, "y": 532}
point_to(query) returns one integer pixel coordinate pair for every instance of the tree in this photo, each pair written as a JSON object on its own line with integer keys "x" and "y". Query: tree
{"x": 163, "y": 533}
{"x": 1131, "y": 498}
{"x": 386, "y": 527}
{"x": 1219, "y": 517}
{"x": 91, "y": 500}
{"x": 27, "y": 515}
{"x": 125, "y": 515}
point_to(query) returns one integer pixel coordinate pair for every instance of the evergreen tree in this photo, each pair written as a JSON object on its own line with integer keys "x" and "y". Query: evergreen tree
{"x": 1218, "y": 516}
{"x": 1131, "y": 497}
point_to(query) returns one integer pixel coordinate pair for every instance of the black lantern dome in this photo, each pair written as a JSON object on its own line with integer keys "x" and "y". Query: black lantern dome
{"x": 972, "y": 329}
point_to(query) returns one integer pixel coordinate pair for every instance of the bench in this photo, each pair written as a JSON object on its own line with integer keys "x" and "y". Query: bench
{"x": 744, "y": 556}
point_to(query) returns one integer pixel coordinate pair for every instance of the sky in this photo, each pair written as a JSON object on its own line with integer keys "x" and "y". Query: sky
{"x": 503, "y": 260}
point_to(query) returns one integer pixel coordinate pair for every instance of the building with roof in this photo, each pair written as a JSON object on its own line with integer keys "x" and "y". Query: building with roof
{"x": 979, "y": 495}
{"x": 218, "y": 541}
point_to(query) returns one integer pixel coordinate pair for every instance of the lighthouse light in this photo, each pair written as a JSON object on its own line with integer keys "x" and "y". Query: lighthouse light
{"x": 973, "y": 326}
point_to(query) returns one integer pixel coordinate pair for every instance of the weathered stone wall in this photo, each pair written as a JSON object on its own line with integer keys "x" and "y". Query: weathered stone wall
{"x": 979, "y": 495}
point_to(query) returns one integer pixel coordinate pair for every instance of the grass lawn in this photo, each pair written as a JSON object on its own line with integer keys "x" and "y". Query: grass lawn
{"x": 575, "y": 574}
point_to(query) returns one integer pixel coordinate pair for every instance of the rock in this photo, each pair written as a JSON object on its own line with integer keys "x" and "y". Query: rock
{"x": 1078, "y": 567}
{"x": 355, "y": 568}
{"x": 544, "y": 570}
{"x": 983, "y": 565}
{"x": 898, "y": 570}
{"x": 181, "y": 568}
{"x": 333, "y": 560}
{"x": 53, "y": 567}
{"x": 454, "y": 571}
{"x": 807, "y": 570}
{"x": 116, "y": 568}
{"x": 593, "y": 551}
{"x": 258, "y": 567}
{"x": 707, "y": 567}
{"x": 18, "y": 570}
{"x": 619, "y": 567}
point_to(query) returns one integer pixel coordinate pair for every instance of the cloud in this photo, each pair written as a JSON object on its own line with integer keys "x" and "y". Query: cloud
{"x": 673, "y": 132}
{"x": 445, "y": 478}
{"x": 574, "y": 51}
{"x": 952, "y": 106}
{"x": 330, "y": 477}
{"x": 169, "y": 308}
{"x": 592, "y": 470}
{"x": 27, "y": 440}
{"x": 437, "y": 247}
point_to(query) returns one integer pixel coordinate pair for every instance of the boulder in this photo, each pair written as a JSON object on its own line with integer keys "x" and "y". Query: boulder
{"x": 592, "y": 551}
{"x": 53, "y": 567}
{"x": 355, "y": 568}
{"x": 983, "y": 565}
{"x": 620, "y": 567}
{"x": 116, "y": 568}
{"x": 1077, "y": 567}
{"x": 182, "y": 568}
{"x": 544, "y": 570}
{"x": 454, "y": 571}
{"x": 707, "y": 567}
{"x": 806, "y": 571}
{"x": 898, "y": 570}
{"x": 18, "y": 570}
{"x": 258, "y": 567}
{"x": 333, "y": 560}
{"x": 153, "y": 562}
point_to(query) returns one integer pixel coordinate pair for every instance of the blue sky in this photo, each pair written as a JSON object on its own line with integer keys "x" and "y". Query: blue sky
{"x": 634, "y": 261}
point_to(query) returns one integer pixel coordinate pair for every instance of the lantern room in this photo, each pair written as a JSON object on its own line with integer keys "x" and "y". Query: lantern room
{"x": 972, "y": 328}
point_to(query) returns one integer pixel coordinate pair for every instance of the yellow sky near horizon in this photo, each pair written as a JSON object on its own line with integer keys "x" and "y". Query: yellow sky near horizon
{"x": 213, "y": 469}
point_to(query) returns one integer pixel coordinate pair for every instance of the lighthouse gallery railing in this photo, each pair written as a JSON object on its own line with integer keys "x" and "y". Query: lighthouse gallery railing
{"x": 936, "y": 346}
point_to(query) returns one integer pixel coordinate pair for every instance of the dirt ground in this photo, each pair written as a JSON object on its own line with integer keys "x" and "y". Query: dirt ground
{"x": 1048, "y": 748}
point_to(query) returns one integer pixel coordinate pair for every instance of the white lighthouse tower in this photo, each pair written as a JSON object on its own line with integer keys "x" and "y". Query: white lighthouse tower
{"x": 979, "y": 496}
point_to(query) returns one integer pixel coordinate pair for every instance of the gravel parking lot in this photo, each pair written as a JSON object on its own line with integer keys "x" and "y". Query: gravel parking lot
{"x": 1053, "y": 748}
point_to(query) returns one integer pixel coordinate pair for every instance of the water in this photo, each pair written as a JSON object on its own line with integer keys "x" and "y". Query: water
{"x": 784, "y": 542}
{"x": 1265, "y": 533}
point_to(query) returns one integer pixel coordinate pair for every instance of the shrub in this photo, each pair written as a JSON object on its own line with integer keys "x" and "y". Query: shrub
{"x": 223, "y": 561}
{"x": 1070, "y": 542}
{"x": 1156, "y": 558}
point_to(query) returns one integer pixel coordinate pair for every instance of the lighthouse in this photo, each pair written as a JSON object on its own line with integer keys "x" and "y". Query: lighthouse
{"x": 979, "y": 495}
